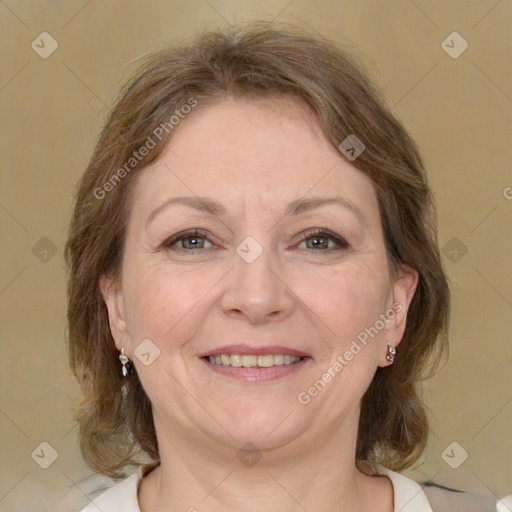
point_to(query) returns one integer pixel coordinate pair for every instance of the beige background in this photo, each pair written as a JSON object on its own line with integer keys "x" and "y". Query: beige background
{"x": 459, "y": 110}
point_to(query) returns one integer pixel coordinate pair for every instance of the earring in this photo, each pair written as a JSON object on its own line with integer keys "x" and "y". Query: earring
{"x": 125, "y": 362}
{"x": 390, "y": 356}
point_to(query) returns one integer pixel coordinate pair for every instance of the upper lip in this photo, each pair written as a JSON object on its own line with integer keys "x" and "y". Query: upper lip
{"x": 258, "y": 350}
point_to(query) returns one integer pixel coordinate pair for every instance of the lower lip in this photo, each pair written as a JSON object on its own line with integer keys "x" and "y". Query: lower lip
{"x": 257, "y": 374}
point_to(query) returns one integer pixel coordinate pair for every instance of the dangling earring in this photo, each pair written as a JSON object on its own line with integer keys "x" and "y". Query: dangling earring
{"x": 390, "y": 356}
{"x": 125, "y": 362}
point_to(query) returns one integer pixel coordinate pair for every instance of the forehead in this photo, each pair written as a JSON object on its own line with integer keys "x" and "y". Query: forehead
{"x": 248, "y": 132}
{"x": 259, "y": 152}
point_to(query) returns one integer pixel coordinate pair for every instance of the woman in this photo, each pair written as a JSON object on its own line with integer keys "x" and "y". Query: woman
{"x": 255, "y": 285}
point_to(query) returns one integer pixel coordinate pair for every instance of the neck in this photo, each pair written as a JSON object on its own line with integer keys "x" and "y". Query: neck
{"x": 196, "y": 477}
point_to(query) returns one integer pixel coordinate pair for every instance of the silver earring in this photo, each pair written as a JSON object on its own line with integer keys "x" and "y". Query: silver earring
{"x": 125, "y": 362}
{"x": 390, "y": 356}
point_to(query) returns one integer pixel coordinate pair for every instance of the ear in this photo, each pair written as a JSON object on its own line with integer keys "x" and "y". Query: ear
{"x": 403, "y": 289}
{"x": 113, "y": 297}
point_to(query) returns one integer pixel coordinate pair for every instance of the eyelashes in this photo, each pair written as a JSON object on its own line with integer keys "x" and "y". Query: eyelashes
{"x": 317, "y": 234}
{"x": 196, "y": 234}
{"x": 197, "y": 238}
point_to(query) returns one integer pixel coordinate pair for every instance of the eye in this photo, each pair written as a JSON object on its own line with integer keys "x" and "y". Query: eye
{"x": 321, "y": 238}
{"x": 190, "y": 240}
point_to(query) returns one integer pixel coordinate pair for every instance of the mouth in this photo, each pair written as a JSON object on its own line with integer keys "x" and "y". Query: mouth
{"x": 253, "y": 361}
{"x": 256, "y": 364}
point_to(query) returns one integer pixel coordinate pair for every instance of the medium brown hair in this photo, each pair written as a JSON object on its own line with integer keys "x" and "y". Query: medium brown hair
{"x": 251, "y": 61}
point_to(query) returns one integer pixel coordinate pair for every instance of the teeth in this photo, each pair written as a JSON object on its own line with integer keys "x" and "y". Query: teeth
{"x": 250, "y": 361}
{"x": 266, "y": 361}
{"x": 278, "y": 359}
{"x": 233, "y": 360}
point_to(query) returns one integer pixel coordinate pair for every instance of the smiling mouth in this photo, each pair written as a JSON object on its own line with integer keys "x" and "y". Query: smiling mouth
{"x": 253, "y": 361}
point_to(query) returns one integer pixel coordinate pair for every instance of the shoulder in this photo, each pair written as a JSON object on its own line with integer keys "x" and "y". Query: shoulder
{"x": 444, "y": 499}
{"x": 105, "y": 494}
{"x": 408, "y": 495}
{"x": 426, "y": 497}
{"x": 121, "y": 497}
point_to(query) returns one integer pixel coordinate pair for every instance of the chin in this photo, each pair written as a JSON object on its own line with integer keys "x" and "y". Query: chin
{"x": 267, "y": 428}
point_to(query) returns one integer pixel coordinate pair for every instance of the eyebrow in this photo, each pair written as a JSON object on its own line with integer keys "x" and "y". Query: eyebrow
{"x": 213, "y": 207}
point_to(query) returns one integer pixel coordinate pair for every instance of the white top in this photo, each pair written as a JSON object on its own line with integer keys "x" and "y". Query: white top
{"x": 122, "y": 497}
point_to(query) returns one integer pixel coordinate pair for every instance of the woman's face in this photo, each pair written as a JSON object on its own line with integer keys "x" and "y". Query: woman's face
{"x": 256, "y": 279}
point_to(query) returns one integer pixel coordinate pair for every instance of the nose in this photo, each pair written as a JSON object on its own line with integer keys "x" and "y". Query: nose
{"x": 257, "y": 291}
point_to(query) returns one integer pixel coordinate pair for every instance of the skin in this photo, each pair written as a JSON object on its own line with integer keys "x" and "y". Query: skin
{"x": 255, "y": 157}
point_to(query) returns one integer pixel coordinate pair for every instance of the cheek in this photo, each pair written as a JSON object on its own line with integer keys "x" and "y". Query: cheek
{"x": 349, "y": 301}
{"x": 163, "y": 303}
{"x": 346, "y": 300}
